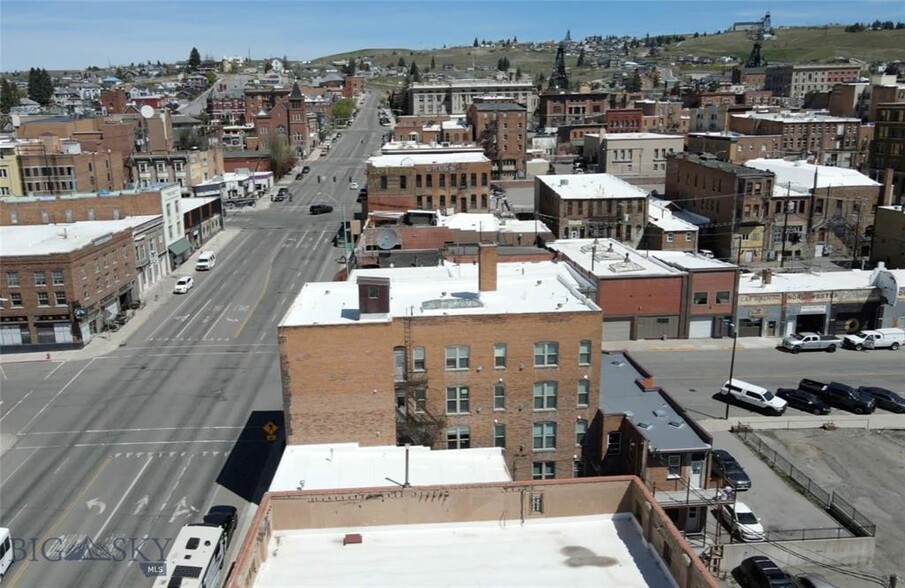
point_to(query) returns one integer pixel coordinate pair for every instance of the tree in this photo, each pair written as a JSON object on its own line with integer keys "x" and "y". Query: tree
{"x": 188, "y": 139}
{"x": 268, "y": 66}
{"x": 475, "y": 44}
{"x": 9, "y": 96}
{"x": 518, "y": 73}
{"x": 514, "y": 40}
{"x": 414, "y": 74}
{"x": 280, "y": 154}
{"x": 633, "y": 84}
{"x": 581, "y": 58}
{"x": 502, "y": 64}
{"x": 401, "y": 62}
{"x": 194, "y": 59}
{"x": 211, "y": 78}
{"x": 350, "y": 67}
{"x": 40, "y": 86}
{"x": 568, "y": 35}
{"x": 433, "y": 63}
{"x": 343, "y": 109}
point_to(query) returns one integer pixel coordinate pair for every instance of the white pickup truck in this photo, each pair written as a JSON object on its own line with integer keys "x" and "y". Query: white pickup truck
{"x": 811, "y": 342}
{"x": 875, "y": 339}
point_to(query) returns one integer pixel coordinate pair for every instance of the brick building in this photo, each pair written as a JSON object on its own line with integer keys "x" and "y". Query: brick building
{"x": 454, "y": 97}
{"x": 501, "y": 128}
{"x": 735, "y": 147}
{"x": 186, "y": 168}
{"x": 832, "y": 140}
{"x": 61, "y": 283}
{"x": 286, "y": 118}
{"x": 735, "y": 198}
{"x": 564, "y": 108}
{"x": 458, "y": 356}
{"x": 114, "y": 101}
{"x": 226, "y": 106}
{"x": 623, "y": 120}
{"x": 591, "y": 205}
{"x": 887, "y": 150}
{"x": 426, "y": 179}
{"x": 795, "y": 81}
{"x": 653, "y": 294}
{"x": 640, "y": 155}
{"x": 52, "y": 166}
{"x": 353, "y": 86}
{"x": 668, "y": 228}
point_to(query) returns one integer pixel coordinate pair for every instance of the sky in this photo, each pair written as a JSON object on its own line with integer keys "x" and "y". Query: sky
{"x": 74, "y": 34}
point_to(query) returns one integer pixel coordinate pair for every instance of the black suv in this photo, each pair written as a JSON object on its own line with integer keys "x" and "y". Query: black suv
{"x": 840, "y": 395}
{"x": 726, "y": 466}
{"x": 306, "y": 169}
{"x": 759, "y": 571}
{"x": 320, "y": 209}
{"x": 803, "y": 400}
{"x": 223, "y": 516}
{"x": 886, "y": 399}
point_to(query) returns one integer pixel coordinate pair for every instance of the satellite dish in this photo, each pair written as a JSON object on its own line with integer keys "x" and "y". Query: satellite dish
{"x": 147, "y": 111}
{"x": 387, "y": 239}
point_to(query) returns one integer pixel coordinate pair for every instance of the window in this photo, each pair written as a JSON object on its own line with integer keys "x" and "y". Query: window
{"x": 670, "y": 237}
{"x": 60, "y": 298}
{"x": 40, "y": 279}
{"x": 57, "y": 277}
{"x": 544, "y": 395}
{"x": 499, "y": 355}
{"x": 418, "y": 359}
{"x": 484, "y": 178}
{"x": 442, "y": 178}
{"x": 43, "y": 299}
{"x": 474, "y": 179}
{"x": 12, "y": 279}
{"x": 577, "y": 469}
{"x": 581, "y": 428}
{"x": 418, "y": 180}
{"x": 614, "y": 443}
{"x": 546, "y": 353}
{"x": 457, "y": 357}
{"x": 584, "y": 389}
{"x": 541, "y": 470}
{"x": 722, "y": 297}
{"x": 499, "y": 396}
{"x": 383, "y": 182}
{"x": 545, "y": 435}
{"x": 584, "y": 352}
{"x": 499, "y": 435}
{"x": 15, "y": 299}
{"x": 674, "y": 466}
{"x": 457, "y": 400}
{"x": 700, "y": 298}
{"x": 458, "y": 437}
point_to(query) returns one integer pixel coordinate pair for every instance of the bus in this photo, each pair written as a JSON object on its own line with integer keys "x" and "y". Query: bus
{"x": 196, "y": 558}
{"x": 6, "y": 551}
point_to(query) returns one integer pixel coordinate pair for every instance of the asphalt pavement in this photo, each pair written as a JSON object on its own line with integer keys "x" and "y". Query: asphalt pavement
{"x": 108, "y": 451}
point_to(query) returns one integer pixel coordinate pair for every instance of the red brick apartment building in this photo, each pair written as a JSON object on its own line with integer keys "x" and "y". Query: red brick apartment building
{"x": 479, "y": 355}
{"x": 623, "y": 120}
{"x": 566, "y": 108}
{"x": 50, "y": 166}
{"x": 734, "y": 147}
{"x": 429, "y": 179}
{"x": 501, "y": 128}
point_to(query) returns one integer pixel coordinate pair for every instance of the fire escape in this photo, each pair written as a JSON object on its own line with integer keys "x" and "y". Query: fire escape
{"x": 415, "y": 423}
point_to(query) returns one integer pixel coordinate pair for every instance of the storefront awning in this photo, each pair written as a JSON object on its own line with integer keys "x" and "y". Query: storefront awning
{"x": 180, "y": 247}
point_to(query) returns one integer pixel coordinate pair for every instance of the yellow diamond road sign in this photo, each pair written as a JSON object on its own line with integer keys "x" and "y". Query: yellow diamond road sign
{"x": 270, "y": 428}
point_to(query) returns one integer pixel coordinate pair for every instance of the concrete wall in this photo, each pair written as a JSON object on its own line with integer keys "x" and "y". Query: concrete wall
{"x": 853, "y": 551}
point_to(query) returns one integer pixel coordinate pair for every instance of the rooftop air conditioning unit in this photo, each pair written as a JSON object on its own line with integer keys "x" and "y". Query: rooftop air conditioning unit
{"x": 444, "y": 144}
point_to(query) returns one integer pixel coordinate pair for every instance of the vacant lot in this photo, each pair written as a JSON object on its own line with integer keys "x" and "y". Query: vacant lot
{"x": 866, "y": 467}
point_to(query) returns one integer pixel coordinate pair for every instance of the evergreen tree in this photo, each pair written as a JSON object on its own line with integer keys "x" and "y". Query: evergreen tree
{"x": 40, "y": 86}
{"x": 514, "y": 40}
{"x": 475, "y": 44}
{"x": 401, "y": 62}
{"x": 9, "y": 96}
{"x": 414, "y": 74}
{"x": 633, "y": 84}
{"x": 581, "y": 58}
{"x": 194, "y": 59}
{"x": 568, "y": 35}
{"x": 350, "y": 67}
{"x": 433, "y": 63}
{"x": 518, "y": 73}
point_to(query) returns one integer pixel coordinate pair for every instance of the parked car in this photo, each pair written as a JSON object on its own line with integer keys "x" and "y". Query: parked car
{"x": 811, "y": 342}
{"x": 319, "y": 208}
{"x": 875, "y": 339}
{"x": 885, "y": 399}
{"x": 759, "y": 571}
{"x": 753, "y": 395}
{"x": 840, "y": 395}
{"x": 299, "y": 176}
{"x": 803, "y": 400}
{"x": 726, "y": 466}
{"x": 206, "y": 261}
{"x": 306, "y": 169}
{"x": 742, "y": 522}
{"x": 183, "y": 285}
{"x": 223, "y": 516}
{"x": 353, "y": 186}
{"x": 812, "y": 581}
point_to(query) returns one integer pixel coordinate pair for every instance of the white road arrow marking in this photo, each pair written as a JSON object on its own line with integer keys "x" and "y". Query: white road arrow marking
{"x": 182, "y": 509}
{"x": 142, "y": 503}
{"x": 98, "y": 503}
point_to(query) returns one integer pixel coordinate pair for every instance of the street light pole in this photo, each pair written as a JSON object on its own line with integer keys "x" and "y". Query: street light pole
{"x": 731, "y": 365}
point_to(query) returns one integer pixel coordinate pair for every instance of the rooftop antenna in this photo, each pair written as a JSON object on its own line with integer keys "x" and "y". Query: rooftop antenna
{"x": 405, "y": 484}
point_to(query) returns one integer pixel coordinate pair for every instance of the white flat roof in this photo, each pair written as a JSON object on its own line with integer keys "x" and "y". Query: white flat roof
{"x": 413, "y": 159}
{"x": 659, "y": 214}
{"x": 450, "y": 289}
{"x": 62, "y": 238}
{"x": 801, "y": 174}
{"x": 798, "y": 117}
{"x": 609, "y": 258}
{"x": 689, "y": 261}
{"x": 632, "y": 136}
{"x": 190, "y": 204}
{"x": 826, "y": 281}
{"x": 347, "y": 465}
{"x": 590, "y": 186}
{"x": 601, "y": 550}
{"x": 486, "y": 222}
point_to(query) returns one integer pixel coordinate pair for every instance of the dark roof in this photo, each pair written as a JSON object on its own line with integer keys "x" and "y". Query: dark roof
{"x": 498, "y": 106}
{"x": 245, "y": 153}
{"x": 296, "y": 93}
{"x": 711, "y": 161}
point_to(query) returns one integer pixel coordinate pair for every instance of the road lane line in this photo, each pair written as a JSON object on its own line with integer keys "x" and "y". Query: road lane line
{"x": 21, "y": 400}
{"x": 9, "y": 523}
{"x": 49, "y": 402}
{"x": 50, "y": 532}
{"x": 215, "y": 322}
{"x": 100, "y": 533}
{"x": 27, "y": 459}
{"x": 54, "y": 369}
{"x": 168, "y": 319}
{"x": 163, "y": 505}
{"x": 125, "y": 444}
{"x": 264, "y": 284}
{"x": 2, "y": 372}
{"x": 194, "y": 316}
{"x": 151, "y": 429}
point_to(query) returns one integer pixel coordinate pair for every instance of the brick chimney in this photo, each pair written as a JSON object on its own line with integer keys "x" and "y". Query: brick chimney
{"x": 886, "y": 198}
{"x": 486, "y": 267}
{"x": 373, "y": 295}
{"x": 767, "y": 276}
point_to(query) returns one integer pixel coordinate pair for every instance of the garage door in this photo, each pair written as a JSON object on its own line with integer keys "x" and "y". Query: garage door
{"x": 617, "y": 330}
{"x": 700, "y": 328}
{"x": 657, "y": 327}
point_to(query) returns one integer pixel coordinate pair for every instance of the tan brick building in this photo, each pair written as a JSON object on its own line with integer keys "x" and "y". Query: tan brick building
{"x": 735, "y": 147}
{"x": 636, "y": 154}
{"x": 795, "y": 81}
{"x": 501, "y": 128}
{"x": 887, "y": 150}
{"x": 186, "y": 168}
{"x": 51, "y": 166}
{"x": 482, "y": 355}
{"x": 429, "y": 179}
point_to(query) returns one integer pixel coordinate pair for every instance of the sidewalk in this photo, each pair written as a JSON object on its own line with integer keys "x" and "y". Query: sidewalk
{"x": 109, "y": 341}
{"x": 692, "y": 344}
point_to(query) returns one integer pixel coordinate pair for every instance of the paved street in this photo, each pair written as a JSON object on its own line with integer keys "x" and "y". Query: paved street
{"x": 105, "y": 454}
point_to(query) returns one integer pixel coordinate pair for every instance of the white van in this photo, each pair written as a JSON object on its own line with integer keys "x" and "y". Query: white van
{"x": 754, "y": 395}
{"x": 6, "y": 551}
{"x": 206, "y": 261}
{"x": 876, "y": 339}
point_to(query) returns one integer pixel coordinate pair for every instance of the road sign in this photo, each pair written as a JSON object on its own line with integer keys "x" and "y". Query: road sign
{"x": 270, "y": 430}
